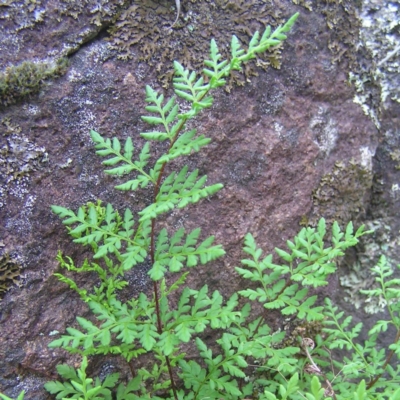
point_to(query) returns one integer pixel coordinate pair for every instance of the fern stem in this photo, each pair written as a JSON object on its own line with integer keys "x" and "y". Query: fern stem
{"x": 317, "y": 370}
{"x": 388, "y": 302}
{"x": 160, "y": 175}
{"x": 152, "y": 257}
{"x": 156, "y": 300}
{"x": 171, "y": 377}
{"x": 349, "y": 340}
{"x": 132, "y": 369}
{"x": 153, "y": 229}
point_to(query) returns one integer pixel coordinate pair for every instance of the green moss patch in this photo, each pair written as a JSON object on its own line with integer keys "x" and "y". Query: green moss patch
{"x": 19, "y": 81}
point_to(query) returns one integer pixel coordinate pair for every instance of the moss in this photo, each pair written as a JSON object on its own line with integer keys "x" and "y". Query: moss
{"x": 341, "y": 193}
{"x": 300, "y": 329}
{"x": 25, "y": 79}
{"x": 9, "y": 273}
{"x": 143, "y": 32}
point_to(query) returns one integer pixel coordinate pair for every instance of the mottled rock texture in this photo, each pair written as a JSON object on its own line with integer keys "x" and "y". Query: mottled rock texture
{"x": 290, "y": 144}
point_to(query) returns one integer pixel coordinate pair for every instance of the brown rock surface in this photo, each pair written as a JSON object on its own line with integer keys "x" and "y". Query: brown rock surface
{"x": 274, "y": 139}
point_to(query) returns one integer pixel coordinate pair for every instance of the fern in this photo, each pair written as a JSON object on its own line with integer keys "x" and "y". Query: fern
{"x": 309, "y": 262}
{"x": 365, "y": 362}
{"x": 79, "y": 385}
{"x": 150, "y": 325}
{"x": 249, "y": 359}
{"x": 107, "y": 232}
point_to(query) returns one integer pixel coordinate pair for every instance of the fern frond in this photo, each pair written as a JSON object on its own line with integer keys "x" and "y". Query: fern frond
{"x": 309, "y": 262}
{"x": 130, "y": 326}
{"x": 104, "y": 230}
{"x": 191, "y": 89}
{"x": 186, "y": 143}
{"x": 106, "y": 147}
{"x": 167, "y": 114}
{"x": 142, "y": 325}
{"x": 268, "y": 39}
{"x": 206, "y": 311}
{"x": 219, "y": 69}
{"x": 80, "y": 384}
{"x": 179, "y": 190}
{"x": 180, "y": 251}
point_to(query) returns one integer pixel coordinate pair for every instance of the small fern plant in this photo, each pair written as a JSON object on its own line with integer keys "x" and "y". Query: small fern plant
{"x": 248, "y": 359}
{"x": 143, "y": 324}
{"x": 318, "y": 371}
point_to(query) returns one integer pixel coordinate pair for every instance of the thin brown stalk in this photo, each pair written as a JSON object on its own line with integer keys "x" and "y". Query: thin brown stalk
{"x": 152, "y": 257}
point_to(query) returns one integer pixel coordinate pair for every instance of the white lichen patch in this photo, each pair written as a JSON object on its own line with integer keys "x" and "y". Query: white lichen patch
{"x": 384, "y": 240}
{"x": 366, "y": 155}
{"x": 325, "y": 131}
{"x": 67, "y": 164}
{"x": 99, "y": 52}
{"x": 395, "y": 190}
{"x": 380, "y": 34}
{"x": 31, "y": 109}
{"x": 22, "y": 223}
{"x": 18, "y": 189}
{"x": 73, "y": 75}
{"x": 91, "y": 84}
{"x": 361, "y": 81}
{"x": 19, "y": 157}
{"x": 278, "y": 128}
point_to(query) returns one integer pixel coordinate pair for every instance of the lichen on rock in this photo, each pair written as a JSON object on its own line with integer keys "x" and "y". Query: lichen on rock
{"x": 341, "y": 193}
{"x": 41, "y": 32}
{"x": 395, "y": 156}
{"x": 341, "y": 19}
{"x": 378, "y": 82}
{"x": 10, "y": 272}
{"x": 356, "y": 276}
{"x": 143, "y": 31}
{"x": 100, "y": 9}
{"x": 18, "y": 158}
{"x": 22, "y": 13}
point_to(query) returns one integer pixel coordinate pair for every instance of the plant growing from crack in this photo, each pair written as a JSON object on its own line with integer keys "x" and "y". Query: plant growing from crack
{"x": 253, "y": 361}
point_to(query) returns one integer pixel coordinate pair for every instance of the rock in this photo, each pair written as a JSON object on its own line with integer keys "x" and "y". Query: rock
{"x": 280, "y": 143}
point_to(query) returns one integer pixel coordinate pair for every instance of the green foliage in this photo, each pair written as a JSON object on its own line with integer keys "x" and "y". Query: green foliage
{"x": 79, "y": 385}
{"x": 108, "y": 233}
{"x": 365, "y": 362}
{"x": 248, "y": 358}
{"x": 21, "y": 396}
{"x": 309, "y": 262}
{"x": 26, "y": 78}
